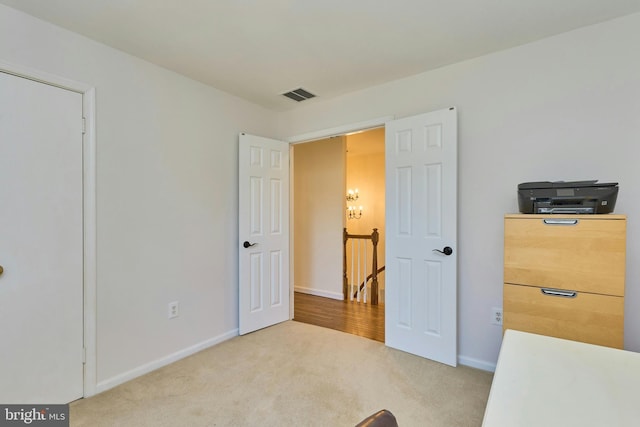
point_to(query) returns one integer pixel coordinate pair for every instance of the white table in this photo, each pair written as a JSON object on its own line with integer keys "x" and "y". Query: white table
{"x": 543, "y": 381}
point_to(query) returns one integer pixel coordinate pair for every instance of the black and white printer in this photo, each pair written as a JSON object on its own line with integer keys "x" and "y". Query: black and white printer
{"x": 560, "y": 197}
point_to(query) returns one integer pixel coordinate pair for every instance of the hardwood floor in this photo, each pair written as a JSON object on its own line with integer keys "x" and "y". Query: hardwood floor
{"x": 361, "y": 319}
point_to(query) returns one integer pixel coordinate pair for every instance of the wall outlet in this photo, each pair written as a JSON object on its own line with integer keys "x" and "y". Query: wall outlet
{"x": 173, "y": 310}
{"x": 496, "y": 316}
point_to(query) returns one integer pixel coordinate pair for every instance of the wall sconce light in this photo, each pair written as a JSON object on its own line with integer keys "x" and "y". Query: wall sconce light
{"x": 354, "y": 213}
{"x": 352, "y": 195}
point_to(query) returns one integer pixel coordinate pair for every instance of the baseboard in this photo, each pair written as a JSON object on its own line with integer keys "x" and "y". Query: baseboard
{"x": 159, "y": 363}
{"x": 318, "y": 292}
{"x": 478, "y": 364}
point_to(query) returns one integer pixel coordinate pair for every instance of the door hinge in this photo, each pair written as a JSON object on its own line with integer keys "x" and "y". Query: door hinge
{"x": 84, "y": 125}
{"x": 84, "y": 355}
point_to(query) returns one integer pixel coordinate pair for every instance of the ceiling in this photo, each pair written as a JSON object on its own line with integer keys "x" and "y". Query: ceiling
{"x": 259, "y": 49}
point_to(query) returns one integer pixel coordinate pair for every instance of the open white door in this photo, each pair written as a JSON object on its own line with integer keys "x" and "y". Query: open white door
{"x": 263, "y": 232}
{"x": 421, "y": 193}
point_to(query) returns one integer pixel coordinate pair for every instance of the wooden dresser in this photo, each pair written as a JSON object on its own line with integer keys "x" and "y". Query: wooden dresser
{"x": 564, "y": 276}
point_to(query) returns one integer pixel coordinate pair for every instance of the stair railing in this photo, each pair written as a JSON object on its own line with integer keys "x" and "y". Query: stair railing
{"x": 360, "y": 241}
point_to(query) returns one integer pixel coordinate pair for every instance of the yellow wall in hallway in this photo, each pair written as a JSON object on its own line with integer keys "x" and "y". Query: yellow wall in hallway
{"x": 365, "y": 171}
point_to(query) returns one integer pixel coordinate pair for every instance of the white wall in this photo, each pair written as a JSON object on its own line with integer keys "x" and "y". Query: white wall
{"x": 319, "y": 175}
{"x": 564, "y": 108}
{"x": 166, "y": 195}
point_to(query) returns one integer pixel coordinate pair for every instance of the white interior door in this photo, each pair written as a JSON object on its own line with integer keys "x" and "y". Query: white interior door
{"x": 421, "y": 193}
{"x": 41, "y": 246}
{"x": 263, "y": 232}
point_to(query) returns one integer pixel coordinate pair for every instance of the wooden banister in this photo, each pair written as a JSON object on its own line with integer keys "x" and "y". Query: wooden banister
{"x": 345, "y": 279}
{"x": 374, "y": 271}
{"x": 374, "y": 237}
{"x": 364, "y": 282}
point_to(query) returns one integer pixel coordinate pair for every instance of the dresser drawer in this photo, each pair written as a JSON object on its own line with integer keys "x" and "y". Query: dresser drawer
{"x": 581, "y": 252}
{"x": 590, "y": 318}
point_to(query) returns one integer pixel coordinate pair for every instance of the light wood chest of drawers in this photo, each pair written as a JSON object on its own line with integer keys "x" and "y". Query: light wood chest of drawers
{"x": 564, "y": 276}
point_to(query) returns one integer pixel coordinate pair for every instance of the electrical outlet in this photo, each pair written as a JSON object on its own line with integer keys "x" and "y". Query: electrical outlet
{"x": 496, "y": 316}
{"x": 173, "y": 309}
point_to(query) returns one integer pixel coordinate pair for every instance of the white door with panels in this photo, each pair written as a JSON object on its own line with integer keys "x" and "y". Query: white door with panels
{"x": 263, "y": 232}
{"x": 41, "y": 243}
{"x": 421, "y": 193}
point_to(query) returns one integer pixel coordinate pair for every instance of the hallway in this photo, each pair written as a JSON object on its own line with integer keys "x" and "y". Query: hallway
{"x": 355, "y": 318}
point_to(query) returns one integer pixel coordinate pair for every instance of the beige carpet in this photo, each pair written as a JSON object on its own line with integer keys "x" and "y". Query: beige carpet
{"x": 293, "y": 374}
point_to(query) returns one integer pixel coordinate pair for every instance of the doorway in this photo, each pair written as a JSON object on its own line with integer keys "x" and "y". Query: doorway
{"x": 324, "y": 171}
{"x": 420, "y": 221}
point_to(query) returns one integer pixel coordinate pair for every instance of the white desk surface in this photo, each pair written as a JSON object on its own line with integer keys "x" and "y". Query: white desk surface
{"x": 543, "y": 382}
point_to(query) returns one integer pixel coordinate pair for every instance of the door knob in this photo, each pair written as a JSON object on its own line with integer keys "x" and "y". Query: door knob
{"x": 1, "y": 270}
{"x": 248, "y": 245}
{"x": 446, "y": 250}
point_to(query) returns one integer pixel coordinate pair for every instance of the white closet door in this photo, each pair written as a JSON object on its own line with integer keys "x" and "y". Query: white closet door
{"x": 41, "y": 252}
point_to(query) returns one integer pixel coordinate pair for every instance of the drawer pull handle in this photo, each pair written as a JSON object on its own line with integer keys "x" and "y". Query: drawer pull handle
{"x": 560, "y": 221}
{"x": 557, "y": 293}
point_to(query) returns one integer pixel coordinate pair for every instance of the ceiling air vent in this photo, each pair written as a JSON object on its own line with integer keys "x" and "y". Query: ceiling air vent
{"x": 299, "y": 95}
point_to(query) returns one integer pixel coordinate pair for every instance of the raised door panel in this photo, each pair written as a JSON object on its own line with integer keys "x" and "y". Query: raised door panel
{"x": 590, "y": 318}
{"x": 421, "y": 164}
{"x": 263, "y": 175}
{"x": 573, "y": 253}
